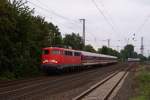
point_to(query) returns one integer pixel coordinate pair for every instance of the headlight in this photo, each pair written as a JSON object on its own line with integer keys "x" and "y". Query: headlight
{"x": 45, "y": 61}
{"x": 54, "y": 61}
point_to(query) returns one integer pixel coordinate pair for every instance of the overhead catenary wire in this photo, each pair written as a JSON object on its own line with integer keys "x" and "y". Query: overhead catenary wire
{"x": 61, "y": 16}
{"x": 109, "y": 16}
{"x": 74, "y": 22}
{"x": 143, "y": 24}
{"x": 139, "y": 29}
{"x": 49, "y": 11}
{"x": 105, "y": 18}
{"x": 108, "y": 19}
{"x": 64, "y": 17}
{"x": 57, "y": 22}
{"x": 54, "y": 13}
{"x": 57, "y": 14}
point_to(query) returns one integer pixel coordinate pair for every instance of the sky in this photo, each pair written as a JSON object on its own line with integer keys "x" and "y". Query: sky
{"x": 122, "y": 21}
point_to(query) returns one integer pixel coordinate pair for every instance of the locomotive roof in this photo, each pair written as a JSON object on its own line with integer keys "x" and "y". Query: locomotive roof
{"x": 83, "y": 52}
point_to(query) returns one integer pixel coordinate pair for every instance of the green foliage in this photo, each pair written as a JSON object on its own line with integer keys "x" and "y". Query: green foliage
{"x": 22, "y": 36}
{"x": 128, "y": 52}
{"x": 104, "y": 50}
{"x": 143, "y": 58}
{"x": 54, "y": 35}
{"x": 108, "y": 51}
{"x": 129, "y": 48}
{"x": 73, "y": 40}
{"x": 148, "y": 57}
{"x": 89, "y": 48}
{"x": 143, "y": 80}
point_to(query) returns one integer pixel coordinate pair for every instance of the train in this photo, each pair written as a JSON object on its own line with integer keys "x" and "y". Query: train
{"x": 133, "y": 59}
{"x": 56, "y": 58}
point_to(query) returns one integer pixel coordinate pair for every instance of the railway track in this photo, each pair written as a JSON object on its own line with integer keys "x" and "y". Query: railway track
{"x": 104, "y": 89}
{"x": 10, "y": 86}
{"x": 15, "y": 82}
{"x": 40, "y": 88}
{"x": 19, "y": 85}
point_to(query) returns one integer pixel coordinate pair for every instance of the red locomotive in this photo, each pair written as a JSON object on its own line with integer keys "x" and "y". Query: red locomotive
{"x": 54, "y": 58}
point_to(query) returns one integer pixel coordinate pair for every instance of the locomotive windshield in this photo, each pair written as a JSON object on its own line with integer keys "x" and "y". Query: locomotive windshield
{"x": 55, "y": 52}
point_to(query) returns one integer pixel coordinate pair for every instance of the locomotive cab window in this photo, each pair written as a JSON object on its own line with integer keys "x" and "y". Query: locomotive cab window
{"x": 55, "y": 52}
{"x": 68, "y": 53}
{"x": 45, "y": 52}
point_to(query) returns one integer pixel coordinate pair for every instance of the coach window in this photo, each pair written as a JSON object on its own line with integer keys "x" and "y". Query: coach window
{"x": 68, "y": 53}
{"x": 55, "y": 52}
{"x": 76, "y": 54}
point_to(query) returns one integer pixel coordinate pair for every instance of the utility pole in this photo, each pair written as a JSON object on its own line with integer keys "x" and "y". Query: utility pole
{"x": 83, "y": 37}
{"x": 108, "y": 43}
{"x": 142, "y": 46}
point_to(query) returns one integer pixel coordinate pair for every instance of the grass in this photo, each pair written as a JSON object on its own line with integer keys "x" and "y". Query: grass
{"x": 143, "y": 84}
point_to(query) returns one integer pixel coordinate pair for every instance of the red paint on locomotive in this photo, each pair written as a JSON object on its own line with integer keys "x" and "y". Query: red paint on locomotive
{"x": 59, "y": 58}
{"x": 53, "y": 56}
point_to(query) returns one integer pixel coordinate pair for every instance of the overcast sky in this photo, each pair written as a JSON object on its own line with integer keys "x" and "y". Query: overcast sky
{"x": 116, "y": 20}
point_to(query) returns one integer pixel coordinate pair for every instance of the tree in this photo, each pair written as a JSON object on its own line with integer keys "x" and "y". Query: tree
{"x": 89, "y": 48}
{"x": 128, "y": 52}
{"x": 129, "y": 49}
{"x": 55, "y": 36}
{"x": 22, "y": 36}
{"x": 142, "y": 58}
{"x": 73, "y": 40}
{"x": 148, "y": 58}
{"x": 108, "y": 51}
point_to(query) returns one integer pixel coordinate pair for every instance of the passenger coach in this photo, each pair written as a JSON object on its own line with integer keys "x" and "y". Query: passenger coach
{"x": 133, "y": 59}
{"x": 54, "y": 58}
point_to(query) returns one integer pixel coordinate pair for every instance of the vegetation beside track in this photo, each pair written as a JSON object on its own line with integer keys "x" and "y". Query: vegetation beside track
{"x": 142, "y": 84}
{"x": 22, "y": 35}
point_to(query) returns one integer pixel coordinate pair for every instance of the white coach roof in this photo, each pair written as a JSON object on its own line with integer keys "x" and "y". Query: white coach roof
{"x": 96, "y": 55}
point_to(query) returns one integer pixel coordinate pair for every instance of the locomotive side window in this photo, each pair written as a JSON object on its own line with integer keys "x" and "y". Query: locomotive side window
{"x": 68, "y": 53}
{"x": 76, "y": 53}
{"x": 45, "y": 52}
{"x": 55, "y": 52}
